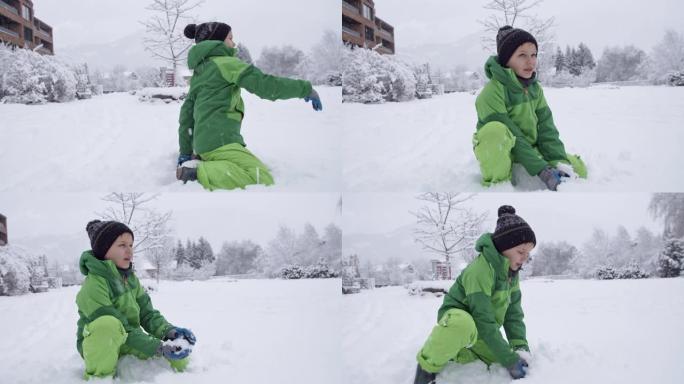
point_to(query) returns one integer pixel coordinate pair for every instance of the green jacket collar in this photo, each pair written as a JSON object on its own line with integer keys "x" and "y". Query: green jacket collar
{"x": 506, "y": 76}
{"x": 105, "y": 268}
{"x": 206, "y": 49}
{"x": 499, "y": 262}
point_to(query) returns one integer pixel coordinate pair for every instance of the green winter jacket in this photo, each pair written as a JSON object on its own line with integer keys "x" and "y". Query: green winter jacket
{"x": 492, "y": 297}
{"x": 212, "y": 112}
{"x": 105, "y": 291}
{"x": 526, "y": 114}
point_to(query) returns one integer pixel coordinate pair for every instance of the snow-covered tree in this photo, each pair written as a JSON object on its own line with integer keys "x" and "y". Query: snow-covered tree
{"x": 554, "y": 258}
{"x": 237, "y": 258}
{"x": 281, "y": 61}
{"x": 28, "y": 77}
{"x": 164, "y": 38}
{"x": 670, "y": 208}
{"x": 668, "y": 56}
{"x": 671, "y": 259}
{"x": 559, "y": 60}
{"x": 445, "y": 226}
{"x": 324, "y": 63}
{"x": 161, "y": 257}
{"x": 243, "y": 53}
{"x": 17, "y": 268}
{"x": 369, "y": 77}
{"x": 331, "y": 251}
{"x": 280, "y": 251}
{"x": 149, "y": 225}
{"x": 621, "y": 64}
{"x": 518, "y": 14}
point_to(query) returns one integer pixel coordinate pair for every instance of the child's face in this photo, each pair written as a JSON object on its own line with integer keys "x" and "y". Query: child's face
{"x": 229, "y": 40}
{"x": 524, "y": 60}
{"x": 121, "y": 251}
{"x": 518, "y": 255}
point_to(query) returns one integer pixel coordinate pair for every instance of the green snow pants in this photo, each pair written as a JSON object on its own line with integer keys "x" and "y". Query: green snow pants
{"x": 453, "y": 338}
{"x": 231, "y": 166}
{"x": 103, "y": 344}
{"x": 493, "y": 143}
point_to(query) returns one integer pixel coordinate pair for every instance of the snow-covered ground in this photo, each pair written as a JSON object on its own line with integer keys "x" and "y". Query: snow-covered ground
{"x": 580, "y": 331}
{"x": 629, "y": 137}
{"x": 248, "y": 331}
{"x": 114, "y": 142}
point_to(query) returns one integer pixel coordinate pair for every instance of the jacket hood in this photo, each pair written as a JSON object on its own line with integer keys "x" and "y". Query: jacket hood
{"x": 505, "y": 76}
{"x": 208, "y": 48}
{"x": 91, "y": 264}
{"x": 499, "y": 262}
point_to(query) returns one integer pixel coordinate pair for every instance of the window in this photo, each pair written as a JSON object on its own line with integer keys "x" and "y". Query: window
{"x": 26, "y": 12}
{"x": 370, "y": 35}
{"x": 367, "y": 12}
{"x": 28, "y": 34}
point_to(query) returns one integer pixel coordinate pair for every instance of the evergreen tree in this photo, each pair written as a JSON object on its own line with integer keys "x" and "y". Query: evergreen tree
{"x": 559, "y": 60}
{"x": 179, "y": 254}
{"x": 670, "y": 261}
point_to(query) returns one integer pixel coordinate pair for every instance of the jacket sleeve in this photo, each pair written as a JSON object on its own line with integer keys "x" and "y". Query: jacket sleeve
{"x": 150, "y": 319}
{"x": 272, "y": 87}
{"x": 491, "y": 106}
{"x": 478, "y": 291}
{"x": 513, "y": 322}
{"x": 548, "y": 140}
{"x": 95, "y": 302}
{"x": 186, "y": 124}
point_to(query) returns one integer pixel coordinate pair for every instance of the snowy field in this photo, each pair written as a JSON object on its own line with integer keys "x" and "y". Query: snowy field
{"x": 114, "y": 142}
{"x": 630, "y": 138}
{"x": 580, "y": 331}
{"x": 248, "y": 331}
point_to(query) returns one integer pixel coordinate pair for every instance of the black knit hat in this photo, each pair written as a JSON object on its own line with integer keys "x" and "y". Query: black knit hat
{"x": 207, "y": 31}
{"x": 102, "y": 235}
{"x": 511, "y": 230}
{"x": 508, "y": 39}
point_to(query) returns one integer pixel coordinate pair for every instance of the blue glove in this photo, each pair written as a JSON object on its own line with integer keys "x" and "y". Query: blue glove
{"x": 315, "y": 100}
{"x": 518, "y": 370}
{"x": 552, "y": 177}
{"x": 183, "y": 158}
{"x": 185, "y": 333}
{"x": 173, "y": 352}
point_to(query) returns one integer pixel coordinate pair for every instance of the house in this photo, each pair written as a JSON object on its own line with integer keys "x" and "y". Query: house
{"x": 362, "y": 28}
{"x": 20, "y": 28}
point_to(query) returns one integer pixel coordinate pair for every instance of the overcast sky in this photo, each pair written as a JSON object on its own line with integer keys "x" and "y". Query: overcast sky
{"x": 255, "y": 23}
{"x": 553, "y": 216}
{"x": 216, "y": 216}
{"x": 596, "y": 23}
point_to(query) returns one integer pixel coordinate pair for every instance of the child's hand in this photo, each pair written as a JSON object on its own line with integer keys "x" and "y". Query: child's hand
{"x": 175, "y": 349}
{"x": 518, "y": 370}
{"x": 176, "y": 332}
{"x": 551, "y": 177}
{"x": 315, "y": 100}
{"x": 183, "y": 158}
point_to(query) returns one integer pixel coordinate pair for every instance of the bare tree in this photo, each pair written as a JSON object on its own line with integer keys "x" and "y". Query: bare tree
{"x": 445, "y": 227}
{"x": 515, "y": 13}
{"x": 161, "y": 256}
{"x": 165, "y": 39}
{"x": 149, "y": 226}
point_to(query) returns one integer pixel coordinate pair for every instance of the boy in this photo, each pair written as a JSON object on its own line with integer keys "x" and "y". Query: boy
{"x": 485, "y": 296}
{"x": 515, "y": 123}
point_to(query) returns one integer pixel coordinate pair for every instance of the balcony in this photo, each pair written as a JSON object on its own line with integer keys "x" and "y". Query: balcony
{"x": 9, "y": 32}
{"x": 385, "y": 34}
{"x": 44, "y": 34}
{"x": 351, "y": 7}
{"x": 351, "y": 31}
{"x": 8, "y": 7}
